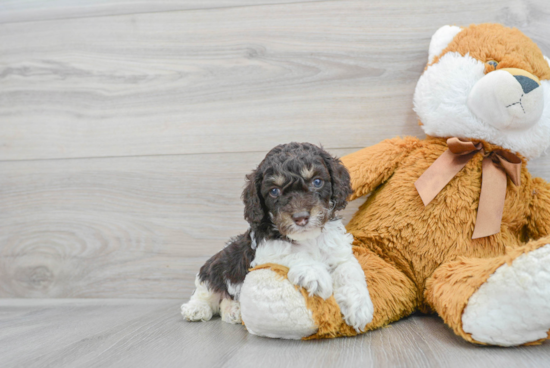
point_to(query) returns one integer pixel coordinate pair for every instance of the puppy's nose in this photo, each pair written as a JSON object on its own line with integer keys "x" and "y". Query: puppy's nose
{"x": 301, "y": 218}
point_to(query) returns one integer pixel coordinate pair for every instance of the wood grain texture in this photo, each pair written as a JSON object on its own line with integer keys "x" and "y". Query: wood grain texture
{"x": 12, "y": 11}
{"x": 229, "y": 79}
{"x": 118, "y": 227}
{"x": 151, "y": 333}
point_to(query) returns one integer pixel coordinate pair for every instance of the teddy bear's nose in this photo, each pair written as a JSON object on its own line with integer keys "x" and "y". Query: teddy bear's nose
{"x": 527, "y": 84}
{"x": 301, "y": 218}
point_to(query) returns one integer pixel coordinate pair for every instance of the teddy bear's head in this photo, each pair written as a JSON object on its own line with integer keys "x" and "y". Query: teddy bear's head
{"x": 486, "y": 82}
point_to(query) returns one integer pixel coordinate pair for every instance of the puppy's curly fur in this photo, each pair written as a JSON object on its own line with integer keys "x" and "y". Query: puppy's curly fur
{"x": 290, "y": 197}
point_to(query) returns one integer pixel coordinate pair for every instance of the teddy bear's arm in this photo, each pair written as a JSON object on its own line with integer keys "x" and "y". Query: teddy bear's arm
{"x": 539, "y": 223}
{"x": 373, "y": 165}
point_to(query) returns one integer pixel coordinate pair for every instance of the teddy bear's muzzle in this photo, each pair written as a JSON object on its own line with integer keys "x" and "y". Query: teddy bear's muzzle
{"x": 507, "y": 99}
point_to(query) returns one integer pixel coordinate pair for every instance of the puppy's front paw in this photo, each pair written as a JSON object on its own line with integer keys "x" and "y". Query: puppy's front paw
{"x": 314, "y": 278}
{"x": 356, "y": 306}
{"x": 196, "y": 310}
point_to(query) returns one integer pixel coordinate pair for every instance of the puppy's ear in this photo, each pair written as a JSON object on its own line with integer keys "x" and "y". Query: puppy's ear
{"x": 253, "y": 204}
{"x": 340, "y": 180}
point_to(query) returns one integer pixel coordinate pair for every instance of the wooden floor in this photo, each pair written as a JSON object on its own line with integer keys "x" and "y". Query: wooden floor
{"x": 126, "y": 130}
{"x": 151, "y": 333}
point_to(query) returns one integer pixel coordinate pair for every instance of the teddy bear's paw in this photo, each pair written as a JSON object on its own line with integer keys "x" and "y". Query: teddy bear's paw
{"x": 271, "y": 306}
{"x": 312, "y": 277}
{"x": 196, "y": 310}
{"x": 230, "y": 311}
{"x": 511, "y": 307}
{"x": 355, "y": 305}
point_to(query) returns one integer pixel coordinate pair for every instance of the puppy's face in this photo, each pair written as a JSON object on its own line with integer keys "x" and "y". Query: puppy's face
{"x": 298, "y": 187}
{"x": 297, "y": 192}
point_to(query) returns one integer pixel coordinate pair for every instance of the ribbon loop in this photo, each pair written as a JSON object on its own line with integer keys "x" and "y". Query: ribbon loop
{"x": 495, "y": 167}
{"x": 462, "y": 147}
{"x": 511, "y": 165}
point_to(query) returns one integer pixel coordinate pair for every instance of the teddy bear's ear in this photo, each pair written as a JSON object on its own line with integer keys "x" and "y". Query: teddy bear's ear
{"x": 441, "y": 39}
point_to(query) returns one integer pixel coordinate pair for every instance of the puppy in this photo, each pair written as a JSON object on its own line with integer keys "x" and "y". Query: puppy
{"x": 290, "y": 203}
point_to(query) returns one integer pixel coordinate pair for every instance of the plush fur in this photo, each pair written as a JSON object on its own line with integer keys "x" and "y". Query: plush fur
{"x": 424, "y": 258}
{"x": 290, "y": 202}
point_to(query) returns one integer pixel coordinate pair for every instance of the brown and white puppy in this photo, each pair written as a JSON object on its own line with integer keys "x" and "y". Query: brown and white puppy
{"x": 290, "y": 203}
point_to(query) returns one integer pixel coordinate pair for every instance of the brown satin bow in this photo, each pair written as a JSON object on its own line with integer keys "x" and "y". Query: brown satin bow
{"x": 496, "y": 165}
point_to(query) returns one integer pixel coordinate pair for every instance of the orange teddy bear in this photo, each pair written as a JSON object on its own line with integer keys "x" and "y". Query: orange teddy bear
{"x": 454, "y": 223}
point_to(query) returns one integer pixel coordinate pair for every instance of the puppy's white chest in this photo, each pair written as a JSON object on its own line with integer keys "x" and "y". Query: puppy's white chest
{"x": 330, "y": 247}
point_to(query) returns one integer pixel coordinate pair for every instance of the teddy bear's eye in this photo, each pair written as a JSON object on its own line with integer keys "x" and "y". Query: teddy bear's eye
{"x": 493, "y": 63}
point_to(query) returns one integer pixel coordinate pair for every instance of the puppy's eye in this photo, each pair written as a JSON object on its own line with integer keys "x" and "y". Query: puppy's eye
{"x": 275, "y": 192}
{"x": 493, "y": 63}
{"x": 317, "y": 183}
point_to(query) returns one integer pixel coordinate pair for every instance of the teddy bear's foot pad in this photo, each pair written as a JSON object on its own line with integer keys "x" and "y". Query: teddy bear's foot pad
{"x": 271, "y": 306}
{"x": 512, "y": 306}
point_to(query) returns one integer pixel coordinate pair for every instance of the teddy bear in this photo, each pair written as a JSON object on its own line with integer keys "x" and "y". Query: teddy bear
{"x": 454, "y": 224}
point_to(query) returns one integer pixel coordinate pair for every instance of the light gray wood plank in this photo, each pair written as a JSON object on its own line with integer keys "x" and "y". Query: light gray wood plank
{"x": 147, "y": 333}
{"x": 12, "y": 11}
{"x": 226, "y": 80}
{"x": 118, "y": 227}
{"x": 42, "y": 326}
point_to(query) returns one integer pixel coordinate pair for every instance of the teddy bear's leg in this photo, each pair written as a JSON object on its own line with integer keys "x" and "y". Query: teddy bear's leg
{"x": 271, "y": 306}
{"x": 498, "y": 301}
{"x": 393, "y": 294}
